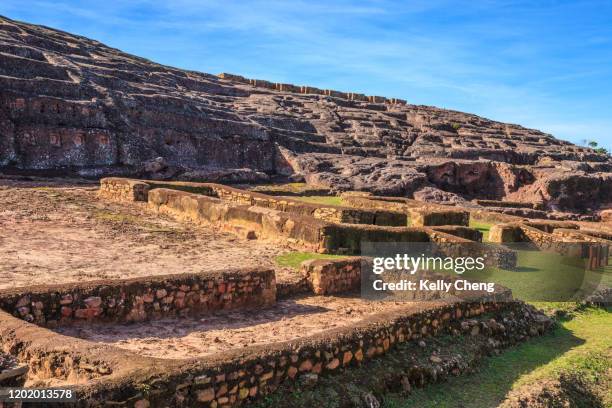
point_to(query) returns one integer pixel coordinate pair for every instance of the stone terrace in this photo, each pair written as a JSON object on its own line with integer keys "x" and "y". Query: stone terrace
{"x": 226, "y": 337}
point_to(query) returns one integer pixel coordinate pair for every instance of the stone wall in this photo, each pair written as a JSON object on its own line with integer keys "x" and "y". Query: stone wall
{"x": 297, "y": 225}
{"x": 347, "y": 238}
{"x": 550, "y": 226}
{"x": 421, "y": 214}
{"x": 120, "y": 189}
{"x": 502, "y": 233}
{"x": 561, "y": 237}
{"x": 252, "y": 221}
{"x": 331, "y": 213}
{"x": 262, "y": 222}
{"x": 327, "y": 276}
{"x": 597, "y": 233}
{"x": 421, "y": 217}
{"x": 231, "y": 384}
{"x": 303, "y": 89}
{"x": 367, "y": 201}
{"x": 244, "y": 379}
{"x": 460, "y": 231}
{"x": 141, "y": 299}
{"x": 509, "y": 204}
{"x": 241, "y": 376}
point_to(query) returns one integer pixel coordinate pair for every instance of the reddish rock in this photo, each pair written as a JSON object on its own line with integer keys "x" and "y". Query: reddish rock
{"x": 70, "y": 104}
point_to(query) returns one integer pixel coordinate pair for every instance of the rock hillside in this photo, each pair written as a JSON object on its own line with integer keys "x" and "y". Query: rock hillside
{"x": 69, "y": 104}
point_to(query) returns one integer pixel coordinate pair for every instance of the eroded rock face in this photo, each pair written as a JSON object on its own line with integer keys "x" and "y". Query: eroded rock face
{"x": 70, "y": 104}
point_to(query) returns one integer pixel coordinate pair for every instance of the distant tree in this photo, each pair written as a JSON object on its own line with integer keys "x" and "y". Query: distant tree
{"x": 601, "y": 150}
{"x": 595, "y": 146}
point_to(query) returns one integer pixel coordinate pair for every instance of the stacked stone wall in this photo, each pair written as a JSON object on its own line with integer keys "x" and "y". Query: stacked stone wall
{"x": 237, "y": 377}
{"x": 281, "y": 87}
{"x": 421, "y": 217}
{"x": 112, "y": 187}
{"x": 460, "y": 231}
{"x": 141, "y": 299}
{"x": 120, "y": 189}
{"x": 327, "y": 277}
{"x": 508, "y": 204}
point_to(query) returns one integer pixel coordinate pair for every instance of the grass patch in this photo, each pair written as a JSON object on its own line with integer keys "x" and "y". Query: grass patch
{"x": 483, "y": 227}
{"x": 537, "y": 276}
{"x": 582, "y": 346}
{"x": 293, "y": 187}
{"x": 325, "y": 200}
{"x": 294, "y": 259}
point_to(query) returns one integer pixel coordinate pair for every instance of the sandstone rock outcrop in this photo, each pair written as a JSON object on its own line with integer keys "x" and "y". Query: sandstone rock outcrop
{"x": 69, "y": 104}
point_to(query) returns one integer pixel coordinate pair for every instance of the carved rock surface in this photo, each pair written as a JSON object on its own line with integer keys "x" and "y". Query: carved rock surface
{"x": 69, "y": 104}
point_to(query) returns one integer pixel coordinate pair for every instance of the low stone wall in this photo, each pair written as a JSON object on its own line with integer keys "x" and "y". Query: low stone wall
{"x": 330, "y": 213}
{"x": 347, "y": 238}
{"x": 110, "y": 376}
{"x": 240, "y": 376}
{"x": 244, "y": 377}
{"x": 502, "y": 233}
{"x": 252, "y": 221}
{"x": 598, "y": 252}
{"x": 120, "y": 189}
{"x": 367, "y": 201}
{"x": 494, "y": 217}
{"x": 406, "y": 205}
{"x": 128, "y": 190}
{"x": 550, "y": 226}
{"x": 597, "y": 233}
{"x": 580, "y": 235}
{"x": 306, "y": 190}
{"x": 141, "y": 299}
{"x": 422, "y": 217}
{"x": 566, "y": 241}
{"x": 509, "y": 204}
{"x": 327, "y": 277}
{"x": 308, "y": 232}
{"x": 460, "y": 231}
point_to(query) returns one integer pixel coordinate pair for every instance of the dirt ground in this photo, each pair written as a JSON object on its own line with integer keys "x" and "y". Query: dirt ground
{"x": 59, "y": 231}
{"x": 181, "y": 338}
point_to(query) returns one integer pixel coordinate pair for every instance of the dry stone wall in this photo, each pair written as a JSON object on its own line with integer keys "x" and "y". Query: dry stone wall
{"x": 421, "y": 217}
{"x": 125, "y": 189}
{"x": 238, "y": 377}
{"x": 561, "y": 237}
{"x": 327, "y": 277}
{"x": 303, "y": 89}
{"x": 119, "y": 189}
{"x": 460, "y": 231}
{"x": 142, "y": 299}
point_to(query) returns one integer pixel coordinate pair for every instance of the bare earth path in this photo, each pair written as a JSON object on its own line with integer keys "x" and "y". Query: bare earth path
{"x": 56, "y": 233}
{"x": 177, "y": 338}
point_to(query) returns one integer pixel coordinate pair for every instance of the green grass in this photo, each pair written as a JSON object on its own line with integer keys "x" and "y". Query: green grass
{"x": 326, "y": 200}
{"x": 483, "y": 227}
{"x": 580, "y": 346}
{"x": 294, "y": 259}
{"x": 295, "y": 187}
{"x": 542, "y": 276}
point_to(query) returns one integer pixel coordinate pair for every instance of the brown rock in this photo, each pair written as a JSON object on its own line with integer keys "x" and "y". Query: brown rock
{"x": 75, "y": 105}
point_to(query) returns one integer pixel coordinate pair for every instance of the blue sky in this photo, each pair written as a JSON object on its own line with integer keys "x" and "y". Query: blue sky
{"x": 542, "y": 64}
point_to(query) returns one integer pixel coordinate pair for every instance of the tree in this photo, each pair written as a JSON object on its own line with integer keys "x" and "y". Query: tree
{"x": 595, "y": 146}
